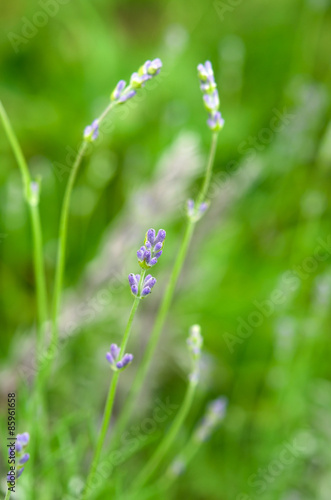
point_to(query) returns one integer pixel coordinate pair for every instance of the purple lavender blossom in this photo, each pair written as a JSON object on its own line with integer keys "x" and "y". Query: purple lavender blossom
{"x": 24, "y": 459}
{"x": 23, "y": 439}
{"x": 21, "y": 457}
{"x": 150, "y": 252}
{"x": 210, "y": 96}
{"x": 148, "y": 70}
{"x": 194, "y": 343}
{"x": 113, "y": 355}
{"x": 91, "y": 132}
{"x": 125, "y": 361}
{"x": 117, "y": 92}
{"x": 145, "y": 73}
{"x": 215, "y": 413}
{"x": 146, "y": 286}
{"x": 122, "y": 93}
{"x": 195, "y": 213}
{"x": 215, "y": 121}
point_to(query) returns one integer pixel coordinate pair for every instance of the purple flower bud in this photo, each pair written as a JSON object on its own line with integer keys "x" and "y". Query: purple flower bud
{"x": 146, "y": 291}
{"x": 161, "y": 235}
{"x": 132, "y": 279}
{"x": 147, "y": 71}
{"x": 18, "y": 446}
{"x": 24, "y": 459}
{"x": 215, "y": 413}
{"x": 215, "y": 121}
{"x": 151, "y": 236}
{"x": 91, "y": 132}
{"x": 117, "y": 92}
{"x": 115, "y": 351}
{"x": 190, "y": 208}
{"x": 127, "y": 95}
{"x": 20, "y": 472}
{"x": 23, "y": 439}
{"x": 149, "y": 281}
{"x": 125, "y": 361}
{"x": 203, "y": 207}
{"x": 109, "y": 358}
{"x": 154, "y": 67}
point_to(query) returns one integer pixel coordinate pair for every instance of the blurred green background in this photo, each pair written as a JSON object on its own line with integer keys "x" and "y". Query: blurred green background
{"x": 268, "y": 229}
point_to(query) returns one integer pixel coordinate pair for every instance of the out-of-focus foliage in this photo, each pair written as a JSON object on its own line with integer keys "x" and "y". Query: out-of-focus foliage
{"x": 258, "y": 276}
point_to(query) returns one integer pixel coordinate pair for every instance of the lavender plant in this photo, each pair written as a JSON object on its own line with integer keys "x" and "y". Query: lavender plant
{"x": 119, "y": 96}
{"x": 195, "y": 210}
{"x": 194, "y": 342}
{"x": 17, "y": 458}
{"x": 141, "y": 286}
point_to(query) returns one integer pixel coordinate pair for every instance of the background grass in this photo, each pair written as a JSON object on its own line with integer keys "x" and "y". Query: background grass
{"x": 270, "y": 211}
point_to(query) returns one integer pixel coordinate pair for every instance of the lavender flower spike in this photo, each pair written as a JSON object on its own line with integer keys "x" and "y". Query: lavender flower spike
{"x": 145, "y": 288}
{"x": 215, "y": 413}
{"x": 195, "y": 213}
{"x": 113, "y": 355}
{"x": 91, "y": 132}
{"x": 21, "y": 458}
{"x": 150, "y": 252}
{"x": 194, "y": 343}
{"x": 210, "y": 96}
{"x": 145, "y": 73}
{"x": 123, "y": 92}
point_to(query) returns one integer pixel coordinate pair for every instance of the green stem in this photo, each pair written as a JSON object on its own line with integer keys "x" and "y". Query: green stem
{"x": 168, "y": 440}
{"x": 61, "y": 253}
{"x": 36, "y": 227}
{"x": 62, "y": 250}
{"x": 209, "y": 169}
{"x": 41, "y": 291}
{"x": 110, "y": 399}
{"x": 164, "y": 307}
{"x": 7, "y": 497}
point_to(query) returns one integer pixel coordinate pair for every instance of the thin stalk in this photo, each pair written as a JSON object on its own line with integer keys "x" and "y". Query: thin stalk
{"x": 61, "y": 253}
{"x": 36, "y": 228}
{"x": 7, "y": 497}
{"x": 62, "y": 249}
{"x": 110, "y": 399}
{"x": 39, "y": 271}
{"x": 209, "y": 169}
{"x": 168, "y": 440}
{"x": 165, "y": 305}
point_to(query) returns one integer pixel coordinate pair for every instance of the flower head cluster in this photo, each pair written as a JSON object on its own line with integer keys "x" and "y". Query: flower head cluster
{"x": 210, "y": 96}
{"x": 194, "y": 343}
{"x": 122, "y": 93}
{"x": 196, "y": 212}
{"x": 149, "y": 253}
{"x": 17, "y": 453}
{"x": 148, "y": 70}
{"x": 145, "y": 73}
{"x": 113, "y": 355}
{"x": 215, "y": 413}
{"x": 91, "y": 132}
{"x": 146, "y": 286}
